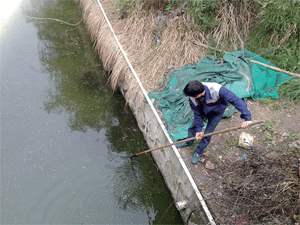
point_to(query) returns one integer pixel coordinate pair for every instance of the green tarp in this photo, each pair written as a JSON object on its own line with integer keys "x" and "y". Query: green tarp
{"x": 234, "y": 71}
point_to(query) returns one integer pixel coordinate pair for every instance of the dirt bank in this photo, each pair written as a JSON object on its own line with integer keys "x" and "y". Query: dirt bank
{"x": 254, "y": 186}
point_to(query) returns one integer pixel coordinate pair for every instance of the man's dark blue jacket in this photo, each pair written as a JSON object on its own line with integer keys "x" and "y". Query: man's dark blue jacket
{"x": 204, "y": 109}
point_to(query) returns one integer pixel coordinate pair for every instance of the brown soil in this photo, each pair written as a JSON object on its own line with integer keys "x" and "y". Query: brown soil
{"x": 254, "y": 186}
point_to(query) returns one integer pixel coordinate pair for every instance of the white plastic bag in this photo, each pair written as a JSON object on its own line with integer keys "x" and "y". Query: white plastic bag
{"x": 245, "y": 140}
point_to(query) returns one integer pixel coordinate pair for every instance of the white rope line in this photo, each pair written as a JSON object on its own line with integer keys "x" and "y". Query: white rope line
{"x": 161, "y": 124}
{"x": 57, "y": 20}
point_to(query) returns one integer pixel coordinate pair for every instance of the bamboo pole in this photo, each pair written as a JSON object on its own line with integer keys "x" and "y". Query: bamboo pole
{"x": 275, "y": 68}
{"x": 254, "y": 61}
{"x": 193, "y": 138}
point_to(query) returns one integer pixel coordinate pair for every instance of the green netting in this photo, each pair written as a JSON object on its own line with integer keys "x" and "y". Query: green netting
{"x": 234, "y": 71}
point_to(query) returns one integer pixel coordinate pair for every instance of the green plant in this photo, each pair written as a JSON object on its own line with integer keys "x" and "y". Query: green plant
{"x": 232, "y": 142}
{"x": 276, "y": 106}
{"x": 203, "y": 12}
{"x": 288, "y": 104}
{"x": 168, "y": 7}
{"x": 211, "y": 51}
{"x": 279, "y": 16}
{"x": 280, "y": 150}
{"x": 278, "y": 22}
{"x": 269, "y": 126}
{"x": 215, "y": 158}
{"x": 226, "y": 150}
{"x": 265, "y": 101}
{"x": 291, "y": 90}
{"x": 175, "y": 2}
{"x": 255, "y": 129}
{"x": 276, "y": 37}
{"x": 293, "y": 137}
{"x": 272, "y": 146}
{"x": 124, "y": 5}
{"x": 268, "y": 137}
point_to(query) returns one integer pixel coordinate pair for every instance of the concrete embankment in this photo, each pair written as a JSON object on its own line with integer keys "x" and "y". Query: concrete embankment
{"x": 175, "y": 173}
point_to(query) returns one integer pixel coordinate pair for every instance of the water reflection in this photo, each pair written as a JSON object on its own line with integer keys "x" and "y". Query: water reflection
{"x": 74, "y": 70}
{"x": 79, "y": 91}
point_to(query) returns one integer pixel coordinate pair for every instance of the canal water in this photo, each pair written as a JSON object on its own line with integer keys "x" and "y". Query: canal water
{"x": 65, "y": 136}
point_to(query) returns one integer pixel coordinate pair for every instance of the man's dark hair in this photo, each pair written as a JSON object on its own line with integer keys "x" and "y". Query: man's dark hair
{"x": 193, "y": 88}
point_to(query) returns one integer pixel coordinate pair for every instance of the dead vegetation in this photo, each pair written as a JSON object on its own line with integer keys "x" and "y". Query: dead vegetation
{"x": 154, "y": 40}
{"x": 262, "y": 187}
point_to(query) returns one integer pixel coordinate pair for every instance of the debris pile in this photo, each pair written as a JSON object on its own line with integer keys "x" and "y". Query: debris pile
{"x": 260, "y": 187}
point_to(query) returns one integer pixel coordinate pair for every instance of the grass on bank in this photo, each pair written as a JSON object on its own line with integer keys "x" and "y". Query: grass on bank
{"x": 276, "y": 37}
{"x": 291, "y": 90}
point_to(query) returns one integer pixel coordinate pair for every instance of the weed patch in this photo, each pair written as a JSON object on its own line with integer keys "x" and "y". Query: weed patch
{"x": 291, "y": 90}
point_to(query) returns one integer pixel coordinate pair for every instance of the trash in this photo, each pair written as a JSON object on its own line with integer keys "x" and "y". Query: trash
{"x": 245, "y": 140}
{"x": 244, "y": 156}
{"x": 209, "y": 165}
{"x": 295, "y": 144}
{"x": 202, "y": 160}
{"x": 181, "y": 205}
{"x": 170, "y": 67}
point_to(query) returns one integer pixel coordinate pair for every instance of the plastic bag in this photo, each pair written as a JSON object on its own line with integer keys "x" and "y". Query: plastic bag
{"x": 245, "y": 140}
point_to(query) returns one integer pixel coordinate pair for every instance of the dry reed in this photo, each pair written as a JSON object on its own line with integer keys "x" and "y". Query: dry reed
{"x": 234, "y": 24}
{"x": 138, "y": 39}
{"x": 138, "y": 35}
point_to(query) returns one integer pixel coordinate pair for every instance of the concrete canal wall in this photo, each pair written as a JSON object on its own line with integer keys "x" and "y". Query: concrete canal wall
{"x": 176, "y": 177}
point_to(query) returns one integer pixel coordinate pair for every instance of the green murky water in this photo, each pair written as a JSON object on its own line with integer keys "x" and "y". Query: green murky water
{"x": 65, "y": 136}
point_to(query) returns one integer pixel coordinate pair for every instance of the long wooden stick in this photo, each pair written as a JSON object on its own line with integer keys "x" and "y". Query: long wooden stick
{"x": 254, "y": 61}
{"x": 193, "y": 138}
{"x": 275, "y": 68}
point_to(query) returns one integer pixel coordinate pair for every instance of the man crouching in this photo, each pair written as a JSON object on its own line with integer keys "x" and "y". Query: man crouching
{"x": 210, "y": 100}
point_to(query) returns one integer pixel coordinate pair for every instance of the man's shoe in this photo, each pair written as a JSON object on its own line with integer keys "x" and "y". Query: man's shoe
{"x": 184, "y": 144}
{"x": 195, "y": 158}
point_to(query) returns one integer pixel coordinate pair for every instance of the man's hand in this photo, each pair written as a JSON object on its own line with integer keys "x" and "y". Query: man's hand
{"x": 246, "y": 124}
{"x": 199, "y": 136}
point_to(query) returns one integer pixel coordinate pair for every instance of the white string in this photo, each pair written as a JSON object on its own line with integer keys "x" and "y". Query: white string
{"x": 40, "y": 18}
